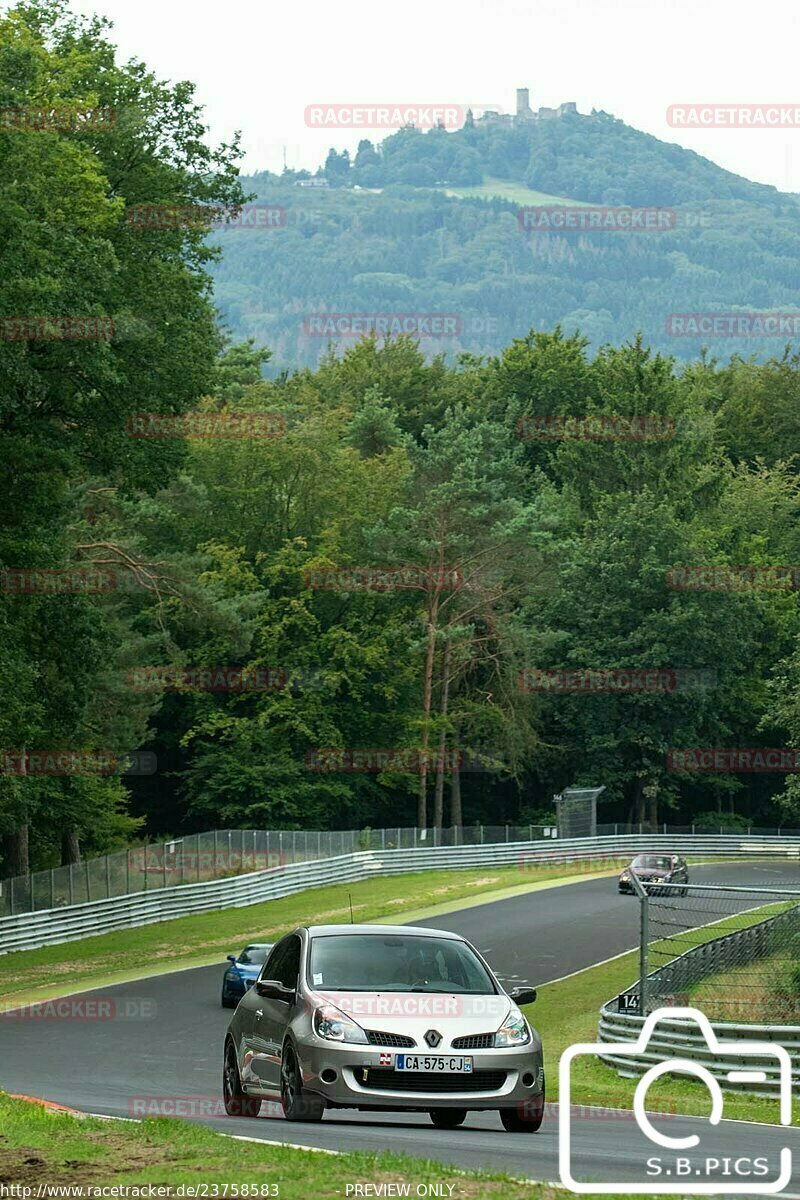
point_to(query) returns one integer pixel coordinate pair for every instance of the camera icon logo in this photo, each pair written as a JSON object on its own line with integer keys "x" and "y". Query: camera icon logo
{"x": 710, "y": 1170}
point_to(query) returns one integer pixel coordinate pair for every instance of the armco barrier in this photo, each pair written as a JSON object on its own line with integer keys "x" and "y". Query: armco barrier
{"x": 50, "y": 926}
{"x": 676, "y": 1038}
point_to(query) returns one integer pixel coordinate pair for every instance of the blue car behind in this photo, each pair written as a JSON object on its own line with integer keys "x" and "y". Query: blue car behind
{"x": 243, "y": 972}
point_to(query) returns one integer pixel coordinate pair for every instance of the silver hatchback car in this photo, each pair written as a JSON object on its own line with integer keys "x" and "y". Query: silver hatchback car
{"x": 383, "y": 1018}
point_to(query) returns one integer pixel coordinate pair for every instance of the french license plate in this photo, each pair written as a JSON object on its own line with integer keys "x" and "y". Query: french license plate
{"x": 458, "y": 1063}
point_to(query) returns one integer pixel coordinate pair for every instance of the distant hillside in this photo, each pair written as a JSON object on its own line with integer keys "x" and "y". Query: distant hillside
{"x": 438, "y": 233}
{"x": 595, "y": 158}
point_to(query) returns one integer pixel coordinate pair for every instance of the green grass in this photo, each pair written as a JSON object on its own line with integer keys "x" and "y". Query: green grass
{"x": 29, "y": 975}
{"x": 567, "y": 1012}
{"x": 38, "y": 1145}
{"x": 505, "y": 189}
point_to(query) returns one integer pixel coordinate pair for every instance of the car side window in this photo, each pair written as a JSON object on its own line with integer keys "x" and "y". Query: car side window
{"x": 283, "y": 964}
{"x": 290, "y": 967}
{"x": 273, "y": 963}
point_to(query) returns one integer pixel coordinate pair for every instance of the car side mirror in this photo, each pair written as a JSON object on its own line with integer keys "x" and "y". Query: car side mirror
{"x": 523, "y": 995}
{"x": 231, "y": 958}
{"x": 271, "y": 989}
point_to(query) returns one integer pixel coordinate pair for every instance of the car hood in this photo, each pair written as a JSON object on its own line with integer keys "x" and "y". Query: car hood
{"x": 652, "y": 872}
{"x": 246, "y": 972}
{"x": 415, "y": 1013}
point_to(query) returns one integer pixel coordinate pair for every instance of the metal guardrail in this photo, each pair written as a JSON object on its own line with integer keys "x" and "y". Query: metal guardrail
{"x": 676, "y": 1038}
{"x": 31, "y": 930}
{"x": 220, "y": 853}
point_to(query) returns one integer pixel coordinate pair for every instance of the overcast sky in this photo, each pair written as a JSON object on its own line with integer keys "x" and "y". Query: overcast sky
{"x": 257, "y": 64}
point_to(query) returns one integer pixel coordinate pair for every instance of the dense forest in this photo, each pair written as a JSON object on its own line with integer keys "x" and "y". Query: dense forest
{"x": 436, "y": 223}
{"x": 391, "y": 550}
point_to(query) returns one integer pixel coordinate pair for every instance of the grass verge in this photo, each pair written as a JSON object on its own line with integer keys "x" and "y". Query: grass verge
{"x": 29, "y": 975}
{"x": 40, "y": 1146}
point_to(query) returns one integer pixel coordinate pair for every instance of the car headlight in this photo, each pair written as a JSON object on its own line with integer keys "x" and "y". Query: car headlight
{"x": 514, "y": 1031}
{"x": 624, "y": 877}
{"x": 335, "y": 1026}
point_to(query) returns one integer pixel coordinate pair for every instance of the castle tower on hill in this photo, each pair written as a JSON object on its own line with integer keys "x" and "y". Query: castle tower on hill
{"x": 524, "y": 111}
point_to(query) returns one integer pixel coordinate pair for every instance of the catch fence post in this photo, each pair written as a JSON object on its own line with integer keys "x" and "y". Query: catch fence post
{"x": 644, "y": 937}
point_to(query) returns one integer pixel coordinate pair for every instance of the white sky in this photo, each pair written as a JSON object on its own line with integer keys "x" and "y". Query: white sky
{"x": 258, "y": 63}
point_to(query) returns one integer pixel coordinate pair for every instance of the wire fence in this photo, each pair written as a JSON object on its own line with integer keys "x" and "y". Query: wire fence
{"x": 220, "y": 853}
{"x": 198, "y": 858}
{"x": 731, "y": 952}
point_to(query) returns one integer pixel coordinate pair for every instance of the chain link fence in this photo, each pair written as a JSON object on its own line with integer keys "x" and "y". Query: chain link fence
{"x": 200, "y": 857}
{"x": 731, "y": 952}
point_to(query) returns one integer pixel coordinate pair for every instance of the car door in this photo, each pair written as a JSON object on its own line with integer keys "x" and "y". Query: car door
{"x": 272, "y": 1015}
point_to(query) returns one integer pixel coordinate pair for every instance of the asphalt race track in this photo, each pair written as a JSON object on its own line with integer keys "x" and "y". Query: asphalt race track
{"x": 165, "y": 1045}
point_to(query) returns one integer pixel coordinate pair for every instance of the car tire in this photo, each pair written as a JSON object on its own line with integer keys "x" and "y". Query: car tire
{"x": 237, "y": 1104}
{"x": 448, "y": 1118}
{"x": 298, "y": 1104}
{"x": 526, "y": 1117}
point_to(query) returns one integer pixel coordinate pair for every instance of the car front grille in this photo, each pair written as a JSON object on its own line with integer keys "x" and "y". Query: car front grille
{"x": 474, "y": 1041}
{"x": 377, "y": 1038}
{"x": 428, "y": 1081}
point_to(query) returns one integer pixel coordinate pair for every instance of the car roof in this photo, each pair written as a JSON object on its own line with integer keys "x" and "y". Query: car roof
{"x": 417, "y": 930}
{"x": 259, "y": 945}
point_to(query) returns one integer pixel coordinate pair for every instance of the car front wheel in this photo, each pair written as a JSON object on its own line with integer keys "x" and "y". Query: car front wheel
{"x": 448, "y": 1118}
{"x": 298, "y": 1104}
{"x": 237, "y": 1104}
{"x": 527, "y": 1117}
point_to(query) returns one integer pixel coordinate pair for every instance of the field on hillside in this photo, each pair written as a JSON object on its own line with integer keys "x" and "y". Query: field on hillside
{"x": 506, "y": 189}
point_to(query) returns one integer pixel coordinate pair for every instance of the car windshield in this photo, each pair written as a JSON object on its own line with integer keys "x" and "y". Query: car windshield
{"x": 653, "y": 862}
{"x": 254, "y": 956}
{"x": 396, "y": 963}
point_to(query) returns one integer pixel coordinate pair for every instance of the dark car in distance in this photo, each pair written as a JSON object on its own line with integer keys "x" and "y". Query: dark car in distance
{"x": 655, "y": 868}
{"x": 243, "y": 972}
